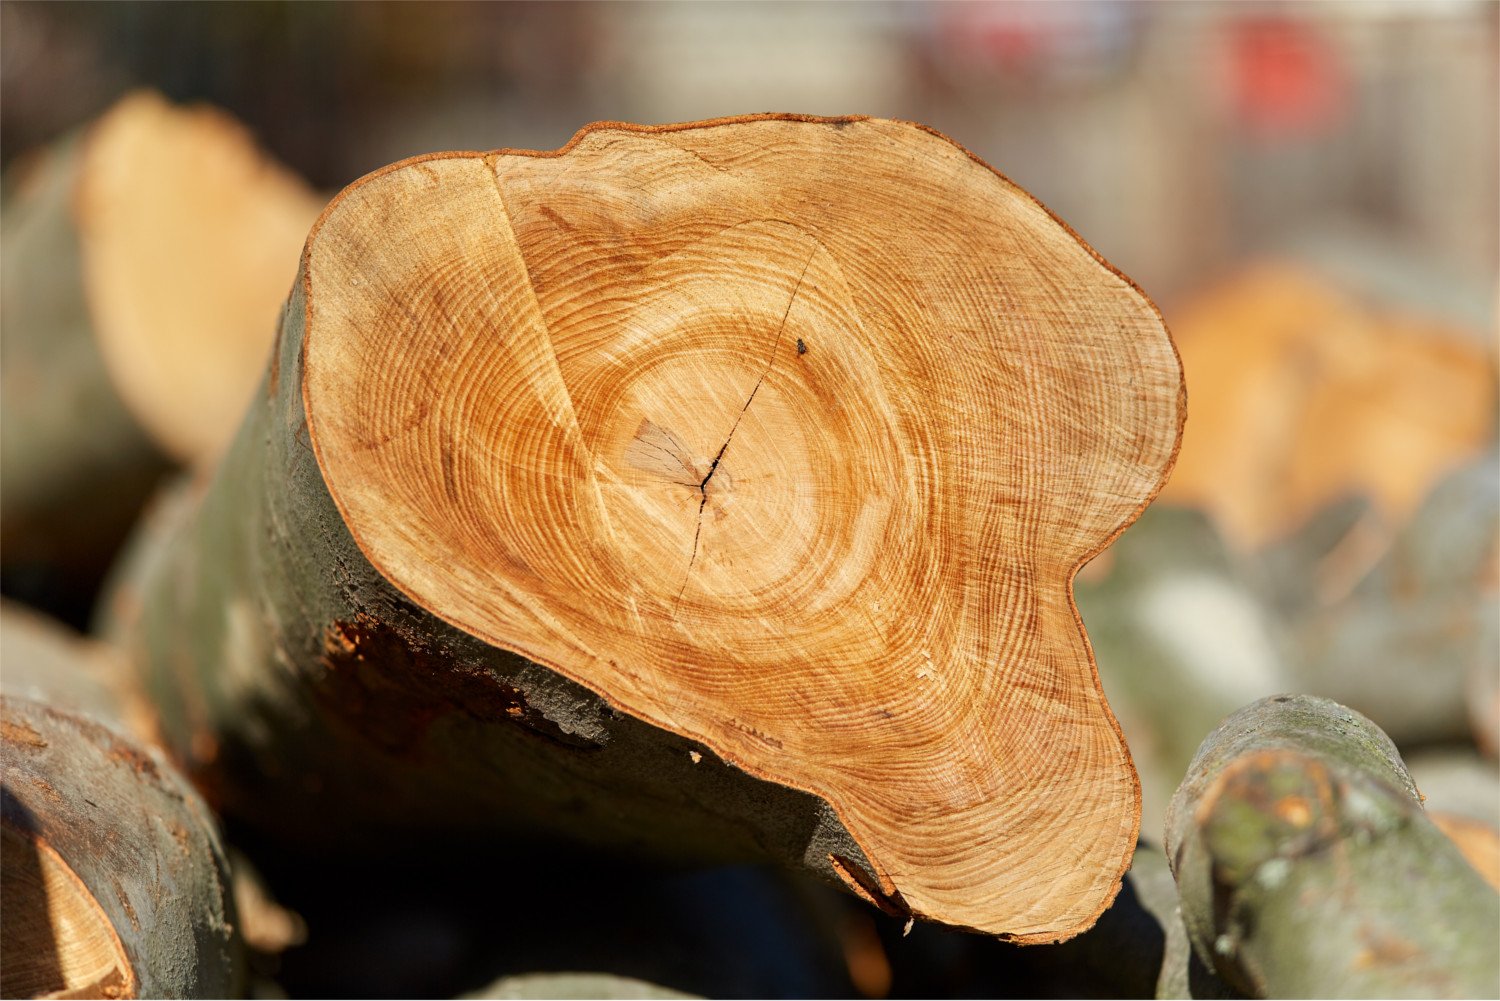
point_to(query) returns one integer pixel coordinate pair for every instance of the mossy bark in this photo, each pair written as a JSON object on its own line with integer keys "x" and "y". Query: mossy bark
{"x": 1307, "y": 868}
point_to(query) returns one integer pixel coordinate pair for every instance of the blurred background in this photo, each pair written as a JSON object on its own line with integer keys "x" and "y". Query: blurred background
{"x": 1177, "y": 137}
{"x": 1311, "y": 193}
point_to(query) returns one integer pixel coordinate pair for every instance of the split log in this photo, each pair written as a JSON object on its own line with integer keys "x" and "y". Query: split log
{"x": 145, "y": 263}
{"x": 115, "y": 883}
{"x": 713, "y": 490}
{"x": 1307, "y": 868}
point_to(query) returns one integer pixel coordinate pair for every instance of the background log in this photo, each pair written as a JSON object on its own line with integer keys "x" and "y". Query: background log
{"x": 1461, "y": 793}
{"x": 145, "y": 260}
{"x": 1306, "y": 394}
{"x": 574, "y": 985}
{"x": 1403, "y": 638}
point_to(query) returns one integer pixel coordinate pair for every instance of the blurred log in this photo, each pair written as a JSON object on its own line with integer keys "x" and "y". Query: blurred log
{"x": 1303, "y": 397}
{"x": 1183, "y": 638}
{"x": 115, "y": 883}
{"x": 74, "y": 465}
{"x": 1403, "y": 641}
{"x": 669, "y": 493}
{"x": 574, "y": 985}
{"x": 1307, "y": 868}
{"x": 1478, "y": 842}
{"x": 1461, "y": 791}
{"x": 1483, "y": 692}
{"x": 145, "y": 261}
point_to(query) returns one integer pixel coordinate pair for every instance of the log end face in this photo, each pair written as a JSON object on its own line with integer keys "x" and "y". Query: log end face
{"x": 692, "y": 417}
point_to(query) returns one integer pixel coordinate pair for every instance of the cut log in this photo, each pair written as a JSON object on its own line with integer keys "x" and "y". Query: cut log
{"x": 114, "y": 880}
{"x": 189, "y": 234}
{"x": 1307, "y": 868}
{"x": 713, "y": 490}
{"x": 145, "y": 263}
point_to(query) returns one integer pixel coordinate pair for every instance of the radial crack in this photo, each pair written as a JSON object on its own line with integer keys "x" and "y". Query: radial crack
{"x": 713, "y": 466}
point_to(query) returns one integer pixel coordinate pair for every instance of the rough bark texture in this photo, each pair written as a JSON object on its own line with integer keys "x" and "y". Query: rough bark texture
{"x": 1307, "y": 868}
{"x": 483, "y": 554}
{"x": 116, "y": 883}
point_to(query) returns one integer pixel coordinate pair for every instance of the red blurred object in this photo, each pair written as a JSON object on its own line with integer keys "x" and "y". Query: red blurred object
{"x": 1006, "y": 40}
{"x": 1286, "y": 78}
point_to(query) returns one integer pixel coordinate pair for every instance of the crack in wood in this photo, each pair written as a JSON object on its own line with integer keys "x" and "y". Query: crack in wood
{"x": 713, "y": 466}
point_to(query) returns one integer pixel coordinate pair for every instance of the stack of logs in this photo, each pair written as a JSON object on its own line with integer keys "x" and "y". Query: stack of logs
{"x": 691, "y": 496}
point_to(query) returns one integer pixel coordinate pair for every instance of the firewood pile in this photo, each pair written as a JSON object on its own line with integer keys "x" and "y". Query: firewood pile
{"x": 764, "y": 557}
